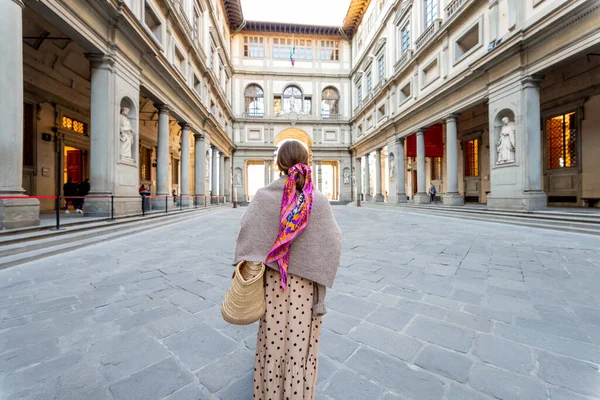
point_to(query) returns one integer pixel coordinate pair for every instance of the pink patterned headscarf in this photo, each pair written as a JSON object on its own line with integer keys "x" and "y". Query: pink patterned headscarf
{"x": 295, "y": 214}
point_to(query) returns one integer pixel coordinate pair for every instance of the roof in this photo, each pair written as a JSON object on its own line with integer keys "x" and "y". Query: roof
{"x": 284, "y": 27}
{"x": 354, "y": 16}
{"x": 235, "y": 16}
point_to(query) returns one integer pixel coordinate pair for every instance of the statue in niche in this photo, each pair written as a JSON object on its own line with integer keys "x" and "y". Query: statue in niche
{"x": 346, "y": 176}
{"x": 237, "y": 177}
{"x": 506, "y": 142}
{"x": 392, "y": 167}
{"x": 126, "y": 135}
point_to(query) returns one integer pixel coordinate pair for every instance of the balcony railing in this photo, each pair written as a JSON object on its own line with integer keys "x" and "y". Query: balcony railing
{"x": 332, "y": 116}
{"x": 404, "y": 58}
{"x": 428, "y": 34}
{"x": 454, "y": 7}
{"x": 253, "y": 115}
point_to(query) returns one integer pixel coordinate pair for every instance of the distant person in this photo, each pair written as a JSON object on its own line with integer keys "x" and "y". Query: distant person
{"x": 84, "y": 190}
{"x": 70, "y": 189}
{"x": 143, "y": 188}
{"x": 432, "y": 193}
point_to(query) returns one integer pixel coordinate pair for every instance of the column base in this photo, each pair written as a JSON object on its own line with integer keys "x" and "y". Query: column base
{"x": 101, "y": 207}
{"x": 421, "y": 198}
{"x": 528, "y": 201}
{"x": 379, "y": 198}
{"x": 19, "y": 213}
{"x": 453, "y": 199}
{"x": 401, "y": 198}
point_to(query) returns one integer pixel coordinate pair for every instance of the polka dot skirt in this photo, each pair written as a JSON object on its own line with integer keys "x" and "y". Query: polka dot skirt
{"x": 287, "y": 347}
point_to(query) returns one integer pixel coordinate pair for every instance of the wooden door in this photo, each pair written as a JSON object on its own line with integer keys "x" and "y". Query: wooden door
{"x": 414, "y": 182}
{"x": 74, "y": 165}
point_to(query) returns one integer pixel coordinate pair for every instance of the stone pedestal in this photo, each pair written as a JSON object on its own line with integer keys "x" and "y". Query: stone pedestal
{"x": 453, "y": 199}
{"x": 421, "y": 198}
{"x": 528, "y": 201}
{"x": 19, "y": 212}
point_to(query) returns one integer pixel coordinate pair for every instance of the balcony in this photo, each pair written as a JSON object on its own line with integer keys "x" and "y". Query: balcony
{"x": 428, "y": 34}
{"x": 404, "y": 58}
{"x": 253, "y": 115}
{"x": 335, "y": 117}
{"x": 454, "y": 7}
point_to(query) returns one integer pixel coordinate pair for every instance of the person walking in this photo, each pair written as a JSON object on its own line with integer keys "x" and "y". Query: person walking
{"x": 291, "y": 228}
{"x": 432, "y": 193}
{"x": 70, "y": 189}
{"x": 84, "y": 190}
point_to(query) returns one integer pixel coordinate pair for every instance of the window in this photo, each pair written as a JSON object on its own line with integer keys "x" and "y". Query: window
{"x": 381, "y": 68}
{"x": 430, "y": 12}
{"x": 307, "y": 105}
{"x": 369, "y": 82}
{"x": 405, "y": 39}
{"x": 369, "y": 122}
{"x": 254, "y": 47}
{"x": 197, "y": 85}
{"x": 292, "y": 99}
{"x": 255, "y": 102}
{"x": 175, "y": 170}
{"x": 276, "y": 105}
{"x": 282, "y": 48}
{"x": 431, "y": 72}
{"x": 359, "y": 130}
{"x": 468, "y": 42}
{"x": 179, "y": 60}
{"x": 359, "y": 93}
{"x": 436, "y": 168}
{"x": 561, "y": 141}
{"x": 329, "y": 103}
{"x": 145, "y": 164}
{"x": 381, "y": 111}
{"x": 211, "y": 59}
{"x": 330, "y": 50}
{"x": 196, "y": 23}
{"x": 472, "y": 158}
{"x": 153, "y": 22}
{"x": 404, "y": 93}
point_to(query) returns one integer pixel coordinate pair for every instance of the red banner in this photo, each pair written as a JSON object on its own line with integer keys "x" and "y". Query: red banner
{"x": 434, "y": 142}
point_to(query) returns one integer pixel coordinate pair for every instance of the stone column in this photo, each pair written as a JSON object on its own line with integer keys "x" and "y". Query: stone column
{"x": 452, "y": 197}
{"x": 162, "y": 157}
{"x": 378, "y": 181}
{"x": 533, "y": 193}
{"x": 358, "y": 169}
{"x": 14, "y": 213}
{"x": 421, "y": 197}
{"x": 267, "y": 172}
{"x": 214, "y": 177}
{"x": 401, "y": 172}
{"x": 185, "y": 164}
{"x": 227, "y": 178}
{"x": 320, "y": 176}
{"x": 199, "y": 167}
{"x": 222, "y": 176}
{"x": 367, "y": 178}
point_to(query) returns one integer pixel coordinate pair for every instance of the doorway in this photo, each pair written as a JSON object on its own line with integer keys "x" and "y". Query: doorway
{"x": 75, "y": 164}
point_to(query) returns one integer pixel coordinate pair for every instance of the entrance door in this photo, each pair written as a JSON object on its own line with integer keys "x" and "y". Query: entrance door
{"x": 74, "y": 165}
{"x": 414, "y": 182}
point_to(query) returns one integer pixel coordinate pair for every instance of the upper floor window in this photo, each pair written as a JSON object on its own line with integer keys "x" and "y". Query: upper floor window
{"x": 359, "y": 92}
{"x": 153, "y": 22}
{"x": 196, "y": 23}
{"x": 381, "y": 67}
{"x": 405, "y": 38}
{"x": 330, "y": 99}
{"x": 254, "y": 47}
{"x": 255, "y": 101}
{"x": 430, "y": 11}
{"x": 282, "y": 48}
{"x": 561, "y": 141}
{"x": 330, "y": 50}
{"x": 304, "y": 49}
{"x": 369, "y": 82}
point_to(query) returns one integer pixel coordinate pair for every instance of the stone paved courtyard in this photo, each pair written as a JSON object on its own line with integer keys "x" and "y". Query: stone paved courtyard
{"x": 424, "y": 308}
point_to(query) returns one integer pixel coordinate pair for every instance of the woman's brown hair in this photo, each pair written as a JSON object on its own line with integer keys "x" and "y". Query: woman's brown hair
{"x": 289, "y": 154}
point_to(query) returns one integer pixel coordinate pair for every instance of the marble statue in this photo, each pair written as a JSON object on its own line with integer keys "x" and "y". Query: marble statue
{"x": 346, "y": 176}
{"x": 126, "y": 135}
{"x": 237, "y": 177}
{"x": 392, "y": 167}
{"x": 506, "y": 142}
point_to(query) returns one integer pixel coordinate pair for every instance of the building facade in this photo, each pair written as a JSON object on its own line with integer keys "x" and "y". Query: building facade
{"x": 488, "y": 101}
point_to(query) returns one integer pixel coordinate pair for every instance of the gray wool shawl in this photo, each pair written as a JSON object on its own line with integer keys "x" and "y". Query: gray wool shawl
{"x": 314, "y": 254}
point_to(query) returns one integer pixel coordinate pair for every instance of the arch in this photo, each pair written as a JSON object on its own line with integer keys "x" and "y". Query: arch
{"x": 293, "y": 134}
{"x": 330, "y": 102}
{"x": 254, "y": 100}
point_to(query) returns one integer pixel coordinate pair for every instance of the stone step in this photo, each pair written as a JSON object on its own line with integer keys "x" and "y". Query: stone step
{"x": 45, "y": 246}
{"x": 534, "y": 220}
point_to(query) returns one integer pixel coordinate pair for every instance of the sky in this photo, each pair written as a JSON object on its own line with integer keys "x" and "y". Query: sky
{"x": 313, "y": 12}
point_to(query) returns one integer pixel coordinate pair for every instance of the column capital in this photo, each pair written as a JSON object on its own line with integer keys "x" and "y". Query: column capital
{"x": 199, "y": 136}
{"x": 451, "y": 117}
{"x": 532, "y": 81}
{"x": 421, "y": 131}
{"x": 20, "y": 3}
{"x": 162, "y": 108}
{"x": 101, "y": 60}
{"x": 378, "y": 150}
{"x": 400, "y": 140}
{"x": 492, "y": 3}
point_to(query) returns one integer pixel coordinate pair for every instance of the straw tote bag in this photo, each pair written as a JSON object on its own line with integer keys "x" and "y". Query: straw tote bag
{"x": 244, "y": 303}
